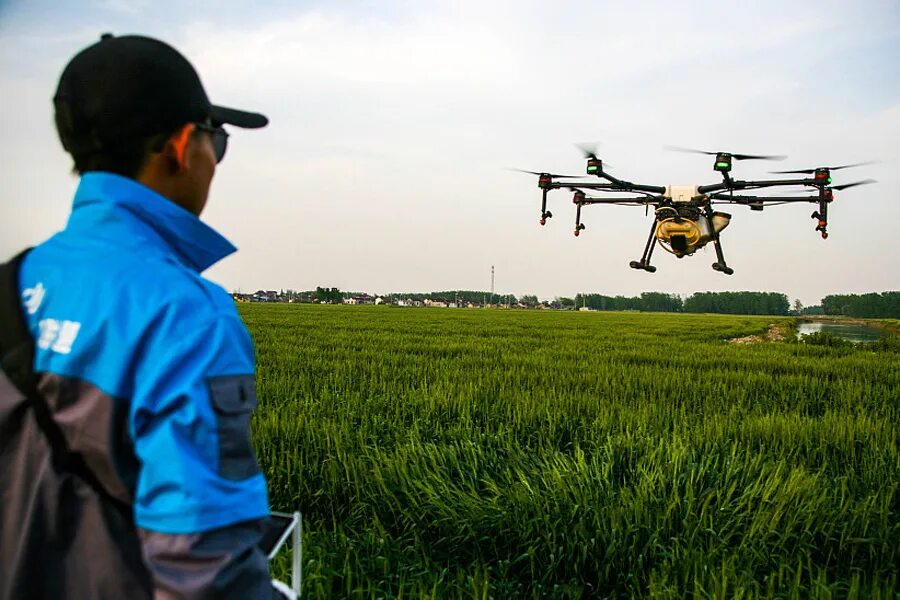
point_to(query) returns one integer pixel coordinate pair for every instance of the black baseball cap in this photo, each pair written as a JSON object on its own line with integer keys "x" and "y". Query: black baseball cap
{"x": 123, "y": 89}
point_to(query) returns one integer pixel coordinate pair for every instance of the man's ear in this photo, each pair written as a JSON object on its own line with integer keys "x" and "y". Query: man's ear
{"x": 176, "y": 146}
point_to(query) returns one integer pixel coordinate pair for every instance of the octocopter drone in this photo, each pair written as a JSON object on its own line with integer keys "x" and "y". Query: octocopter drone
{"x": 684, "y": 216}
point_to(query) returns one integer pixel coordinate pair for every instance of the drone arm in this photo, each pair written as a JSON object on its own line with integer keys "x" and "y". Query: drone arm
{"x": 757, "y": 202}
{"x": 733, "y": 184}
{"x": 627, "y": 186}
{"x": 762, "y": 199}
{"x": 633, "y": 201}
{"x": 593, "y": 186}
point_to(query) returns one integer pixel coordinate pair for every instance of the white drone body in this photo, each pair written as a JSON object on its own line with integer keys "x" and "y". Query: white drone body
{"x": 682, "y": 193}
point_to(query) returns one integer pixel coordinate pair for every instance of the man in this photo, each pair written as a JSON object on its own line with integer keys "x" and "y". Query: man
{"x": 127, "y": 469}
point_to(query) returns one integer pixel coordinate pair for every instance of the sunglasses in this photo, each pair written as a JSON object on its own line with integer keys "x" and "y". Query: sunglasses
{"x": 219, "y": 138}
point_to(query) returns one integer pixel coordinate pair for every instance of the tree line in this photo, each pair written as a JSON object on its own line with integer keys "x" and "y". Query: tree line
{"x": 648, "y": 302}
{"x": 874, "y": 305}
{"x": 737, "y": 303}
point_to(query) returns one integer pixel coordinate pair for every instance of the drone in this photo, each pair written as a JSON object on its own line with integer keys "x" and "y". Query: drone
{"x": 685, "y": 218}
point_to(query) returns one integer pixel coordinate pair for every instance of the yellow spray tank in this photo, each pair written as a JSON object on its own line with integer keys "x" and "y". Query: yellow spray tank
{"x": 683, "y": 227}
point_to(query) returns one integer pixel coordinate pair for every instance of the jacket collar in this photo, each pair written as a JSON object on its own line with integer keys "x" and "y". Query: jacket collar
{"x": 194, "y": 243}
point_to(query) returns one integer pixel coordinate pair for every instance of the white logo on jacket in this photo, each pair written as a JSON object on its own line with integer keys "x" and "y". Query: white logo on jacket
{"x": 32, "y": 297}
{"x": 58, "y": 336}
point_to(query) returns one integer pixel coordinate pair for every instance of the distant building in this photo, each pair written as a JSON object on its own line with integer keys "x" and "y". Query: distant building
{"x": 360, "y": 299}
{"x": 265, "y": 296}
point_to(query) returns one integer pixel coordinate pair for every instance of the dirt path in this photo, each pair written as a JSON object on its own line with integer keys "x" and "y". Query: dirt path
{"x": 776, "y": 333}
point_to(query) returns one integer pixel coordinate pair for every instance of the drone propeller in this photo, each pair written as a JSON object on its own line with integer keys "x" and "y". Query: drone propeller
{"x": 855, "y": 183}
{"x": 589, "y": 150}
{"x": 834, "y": 187}
{"x": 595, "y": 166}
{"x": 731, "y": 154}
{"x": 552, "y": 175}
{"x": 811, "y": 171}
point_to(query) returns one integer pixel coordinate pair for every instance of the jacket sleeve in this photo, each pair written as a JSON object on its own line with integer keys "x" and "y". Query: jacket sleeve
{"x": 221, "y": 563}
{"x": 200, "y": 498}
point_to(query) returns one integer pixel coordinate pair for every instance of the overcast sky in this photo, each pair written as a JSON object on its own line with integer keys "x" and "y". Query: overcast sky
{"x": 393, "y": 125}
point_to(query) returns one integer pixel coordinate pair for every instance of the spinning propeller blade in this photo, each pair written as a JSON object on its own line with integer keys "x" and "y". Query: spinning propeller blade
{"x": 811, "y": 171}
{"x": 832, "y": 187}
{"x": 590, "y": 152}
{"x": 734, "y": 156}
{"x": 759, "y": 156}
{"x": 554, "y": 175}
{"x": 855, "y": 183}
{"x": 588, "y": 149}
{"x": 683, "y": 149}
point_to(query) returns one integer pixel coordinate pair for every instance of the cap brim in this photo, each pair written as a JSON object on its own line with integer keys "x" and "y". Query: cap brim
{"x": 241, "y": 118}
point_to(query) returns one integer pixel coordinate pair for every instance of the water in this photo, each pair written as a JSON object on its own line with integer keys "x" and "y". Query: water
{"x": 854, "y": 333}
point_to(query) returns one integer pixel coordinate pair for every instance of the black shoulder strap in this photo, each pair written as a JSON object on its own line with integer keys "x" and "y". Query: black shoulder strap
{"x": 17, "y": 361}
{"x": 16, "y": 345}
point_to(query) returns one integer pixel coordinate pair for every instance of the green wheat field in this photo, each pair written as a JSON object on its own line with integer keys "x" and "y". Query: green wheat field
{"x": 439, "y": 453}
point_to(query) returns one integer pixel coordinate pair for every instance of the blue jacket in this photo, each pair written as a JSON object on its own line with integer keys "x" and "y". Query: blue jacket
{"x": 150, "y": 372}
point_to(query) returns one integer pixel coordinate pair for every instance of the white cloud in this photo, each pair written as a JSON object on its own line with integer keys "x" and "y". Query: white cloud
{"x": 383, "y": 166}
{"x": 130, "y": 7}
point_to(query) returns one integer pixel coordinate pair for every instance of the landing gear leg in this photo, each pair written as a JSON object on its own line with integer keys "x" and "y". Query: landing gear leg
{"x": 822, "y": 216}
{"x": 720, "y": 265}
{"x": 644, "y": 263}
{"x": 579, "y": 226}
{"x": 545, "y": 214}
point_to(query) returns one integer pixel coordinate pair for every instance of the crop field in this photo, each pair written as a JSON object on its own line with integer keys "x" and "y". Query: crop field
{"x": 440, "y": 453}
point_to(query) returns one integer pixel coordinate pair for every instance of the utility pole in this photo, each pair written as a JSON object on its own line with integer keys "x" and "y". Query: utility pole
{"x": 492, "y": 284}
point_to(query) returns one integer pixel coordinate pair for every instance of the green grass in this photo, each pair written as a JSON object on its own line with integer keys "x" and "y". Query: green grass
{"x": 514, "y": 454}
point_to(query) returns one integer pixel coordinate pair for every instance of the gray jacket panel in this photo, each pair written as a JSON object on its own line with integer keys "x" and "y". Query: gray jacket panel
{"x": 59, "y": 538}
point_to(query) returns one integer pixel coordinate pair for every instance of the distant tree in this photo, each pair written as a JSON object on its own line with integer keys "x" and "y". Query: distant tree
{"x": 529, "y": 300}
{"x": 329, "y": 295}
{"x": 872, "y": 305}
{"x": 659, "y": 302}
{"x": 648, "y": 301}
{"x": 738, "y": 303}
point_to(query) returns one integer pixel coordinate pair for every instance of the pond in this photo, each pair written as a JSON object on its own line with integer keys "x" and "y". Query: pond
{"x": 846, "y": 331}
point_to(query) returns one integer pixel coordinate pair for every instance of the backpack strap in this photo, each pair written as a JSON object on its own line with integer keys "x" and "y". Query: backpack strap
{"x": 17, "y": 362}
{"x": 16, "y": 344}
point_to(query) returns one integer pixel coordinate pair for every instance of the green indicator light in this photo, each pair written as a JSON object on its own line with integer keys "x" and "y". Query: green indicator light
{"x": 592, "y": 167}
{"x": 829, "y": 180}
{"x": 722, "y": 164}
